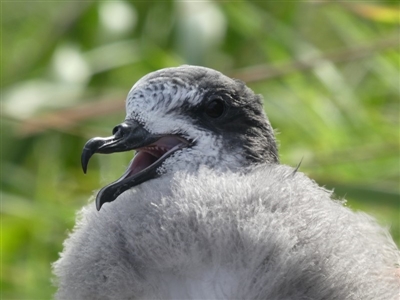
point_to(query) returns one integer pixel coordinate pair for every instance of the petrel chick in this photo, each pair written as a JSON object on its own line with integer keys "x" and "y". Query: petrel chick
{"x": 205, "y": 210}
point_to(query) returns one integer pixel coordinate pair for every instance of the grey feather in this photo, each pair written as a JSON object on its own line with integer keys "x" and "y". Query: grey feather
{"x": 265, "y": 232}
{"x": 279, "y": 235}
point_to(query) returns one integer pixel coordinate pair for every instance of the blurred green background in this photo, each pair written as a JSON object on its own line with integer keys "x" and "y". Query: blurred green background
{"x": 329, "y": 74}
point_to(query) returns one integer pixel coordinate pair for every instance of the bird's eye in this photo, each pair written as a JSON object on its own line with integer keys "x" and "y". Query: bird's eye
{"x": 215, "y": 108}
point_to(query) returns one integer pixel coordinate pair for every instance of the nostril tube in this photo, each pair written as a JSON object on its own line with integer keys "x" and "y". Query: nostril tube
{"x": 116, "y": 129}
{"x": 122, "y": 129}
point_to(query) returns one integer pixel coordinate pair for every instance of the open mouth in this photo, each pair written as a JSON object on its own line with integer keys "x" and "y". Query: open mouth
{"x": 151, "y": 152}
{"x": 149, "y": 158}
{"x": 155, "y": 154}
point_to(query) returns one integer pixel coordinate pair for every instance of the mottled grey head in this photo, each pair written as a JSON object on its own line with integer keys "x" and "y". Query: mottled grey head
{"x": 182, "y": 118}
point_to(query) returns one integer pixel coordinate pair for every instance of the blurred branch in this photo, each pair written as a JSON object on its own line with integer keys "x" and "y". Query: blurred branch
{"x": 70, "y": 117}
{"x": 263, "y": 72}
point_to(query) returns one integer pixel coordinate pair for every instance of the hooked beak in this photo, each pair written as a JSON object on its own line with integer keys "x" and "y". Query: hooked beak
{"x": 151, "y": 151}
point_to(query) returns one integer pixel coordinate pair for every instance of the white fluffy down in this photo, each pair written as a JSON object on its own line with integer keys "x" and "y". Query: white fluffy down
{"x": 269, "y": 234}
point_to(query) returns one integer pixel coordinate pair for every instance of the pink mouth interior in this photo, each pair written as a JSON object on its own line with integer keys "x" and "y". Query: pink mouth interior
{"x": 149, "y": 154}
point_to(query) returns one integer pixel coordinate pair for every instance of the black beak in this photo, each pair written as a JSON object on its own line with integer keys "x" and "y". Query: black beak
{"x": 127, "y": 136}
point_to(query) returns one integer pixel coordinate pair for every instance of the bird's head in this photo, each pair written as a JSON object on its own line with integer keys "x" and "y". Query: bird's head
{"x": 182, "y": 118}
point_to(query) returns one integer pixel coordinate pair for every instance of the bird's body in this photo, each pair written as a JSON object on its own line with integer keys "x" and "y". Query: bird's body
{"x": 220, "y": 218}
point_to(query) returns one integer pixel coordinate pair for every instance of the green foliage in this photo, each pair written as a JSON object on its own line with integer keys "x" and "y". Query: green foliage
{"x": 329, "y": 74}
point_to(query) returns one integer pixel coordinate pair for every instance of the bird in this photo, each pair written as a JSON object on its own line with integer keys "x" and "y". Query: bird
{"x": 205, "y": 209}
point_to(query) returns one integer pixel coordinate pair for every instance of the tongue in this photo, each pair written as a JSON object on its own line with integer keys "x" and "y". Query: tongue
{"x": 141, "y": 161}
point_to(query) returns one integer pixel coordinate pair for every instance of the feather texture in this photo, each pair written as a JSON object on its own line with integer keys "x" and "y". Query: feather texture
{"x": 271, "y": 233}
